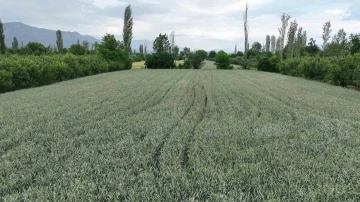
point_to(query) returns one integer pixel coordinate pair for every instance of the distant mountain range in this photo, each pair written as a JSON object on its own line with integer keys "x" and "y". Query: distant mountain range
{"x": 25, "y": 34}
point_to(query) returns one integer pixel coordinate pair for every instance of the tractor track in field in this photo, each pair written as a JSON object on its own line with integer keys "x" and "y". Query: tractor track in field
{"x": 190, "y": 138}
{"x": 132, "y": 112}
{"x": 156, "y": 157}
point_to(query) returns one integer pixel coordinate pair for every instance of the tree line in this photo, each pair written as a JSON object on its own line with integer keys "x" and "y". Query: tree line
{"x": 36, "y": 65}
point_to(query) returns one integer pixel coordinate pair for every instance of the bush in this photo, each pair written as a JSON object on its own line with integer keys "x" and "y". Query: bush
{"x": 356, "y": 77}
{"x": 77, "y": 49}
{"x": 197, "y": 59}
{"x": 5, "y": 81}
{"x": 222, "y": 61}
{"x": 268, "y": 64}
{"x": 339, "y": 71}
{"x": 18, "y": 72}
{"x": 160, "y": 61}
{"x": 136, "y": 58}
{"x": 186, "y": 65}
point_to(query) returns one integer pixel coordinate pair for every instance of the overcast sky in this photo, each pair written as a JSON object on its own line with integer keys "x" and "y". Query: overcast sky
{"x": 200, "y": 24}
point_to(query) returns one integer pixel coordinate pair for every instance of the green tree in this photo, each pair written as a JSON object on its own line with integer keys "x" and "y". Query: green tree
{"x": 338, "y": 45}
{"x": 186, "y": 51}
{"x": 291, "y": 39}
{"x": 268, "y": 43}
{"x": 202, "y": 53}
{"x": 141, "y": 51}
{"x": 282, "y": 30}
{"x": 59, "y": 41}
{"x": 312, "y": 49}
{"x": 222, "y": 60}
{"x": 127, "y": 29}
{"x": 176, "y": 52}
{"x": 2, "y": 39}
{"x": 34, "y": 48}
{"x": 85, "y": 45}
{"x": 256, "y": 46}
{"x": 273, "y": 43}
{"x": 113, "y": 51}
{"x": 162, "y": 44}
{"x": 354, "y": 43}
{"x": 15, "y": 43}
{"x": 326, "y": 36}
{"x": 77, "y": 49}
{"x": 212, "y": 54}
{"x": 197, "y": 59}
{"x": 240, "y": 53}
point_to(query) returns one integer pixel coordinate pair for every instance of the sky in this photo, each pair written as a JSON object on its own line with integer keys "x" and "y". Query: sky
{"x": 198, "y": 24}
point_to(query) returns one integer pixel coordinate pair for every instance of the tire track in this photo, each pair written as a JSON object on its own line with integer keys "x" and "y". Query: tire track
{"x": 159, "y": 148}
{"x": 190, "y": 138}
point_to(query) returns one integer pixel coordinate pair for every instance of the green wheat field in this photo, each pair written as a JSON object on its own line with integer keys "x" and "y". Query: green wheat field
{"x": 181, "y": 135}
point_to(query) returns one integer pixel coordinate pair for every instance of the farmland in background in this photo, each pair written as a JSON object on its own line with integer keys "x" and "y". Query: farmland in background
{"x": 181, "y": 135}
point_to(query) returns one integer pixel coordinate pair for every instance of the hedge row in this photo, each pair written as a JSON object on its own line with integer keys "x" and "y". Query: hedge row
{"x": 342, "y": 71}
{"x": 19, "y": 72}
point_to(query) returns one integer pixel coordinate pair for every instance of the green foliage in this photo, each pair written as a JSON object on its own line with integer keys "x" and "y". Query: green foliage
{"x": 127, "y": 29}
{"x": 256, "y": 46}
{"x": 160, "y": 61}
{"x": 136, "y": 57}
{"x": 338, "y": 71}
{"x": 19, "y": 72}
{"x": 197, "y": 59}
{"x": 203, "y": 54}
{"x": 5, "y": 81}
{"x": 268, "y": 64}
{"x": 15, "y": 43}
{"x": 33, "y": 48}
{"x": 354, "y": 43}
{"x": 162, "y": 44}
{"x": 212, "y": 54}
{"x": 356, "y": 77}
{"x": 111, "y": 50}
{"x": 77, "y": 49}
{"x": 222, "y": 60}
{"x": 312, "y": 49}
{"x": 59, "y": 41}
{"x": 186, "y": 65}
{"x": 2, "y": 39}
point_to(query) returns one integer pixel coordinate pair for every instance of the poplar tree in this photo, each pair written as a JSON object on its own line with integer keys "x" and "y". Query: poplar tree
{"x": 273, "y": 44}
{"x": 59, "y": 41}
{"x": 2, "y": 39}
{"x": 282, "y": 30}
{"x": 15, "y": 43}
{"x": 267, "y": 44}
{"x": 127, "y": 29}
{"x": 326, "y": 36}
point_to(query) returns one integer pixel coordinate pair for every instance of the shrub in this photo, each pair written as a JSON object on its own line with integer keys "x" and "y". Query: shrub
{"x": 197, "y": 59}
{"x": 160, "y": 61}
{"x": 268, "y": 64}
{"x": 5, "y": 81}
{"x": 290, "y": 67}
{"x": 186, "y": 65}
{"x": 222, "y": 61}
{"x": 18, "y": 72}
{"x": 356, "y": 77}
{"x": 136, "y": 58}
{"x": 212, "y": 55}
{"x": 77, "y": 49}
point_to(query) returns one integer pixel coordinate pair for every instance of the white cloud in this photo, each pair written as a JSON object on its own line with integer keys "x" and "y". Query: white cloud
{"x": 106, "y": 3}
{"x": 201, "y": 24}
{"x": 335, "y": 11}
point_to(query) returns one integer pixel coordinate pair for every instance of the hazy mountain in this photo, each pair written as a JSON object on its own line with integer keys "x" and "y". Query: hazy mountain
{"x": 25, "y": 33}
